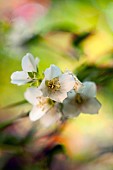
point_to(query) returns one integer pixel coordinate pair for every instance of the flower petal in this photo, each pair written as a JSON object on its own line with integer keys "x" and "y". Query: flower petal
{"x": 32, "y": 94}
{"x": 67, "y": 82}
{"x": 91, "y": 105}
{"x": 20, "y": 78}
{"x": 29, "y": 64}
{"x": 36, "y": 113}
{"x": 52, "y": 72}
{"x": 70, "y": 109}
{"x": 58, "y": 96}
{"x": 44, "y": 88}
{"x": 88, "y": 89}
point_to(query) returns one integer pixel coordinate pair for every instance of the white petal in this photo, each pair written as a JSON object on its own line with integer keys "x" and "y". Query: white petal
{"x": 88, "y": 89}
{"x": 29, "y": 64}
{"x": 20, "y": 78}
{"x": 36, "y": 113}
{"x": 61, "y": 96}
{"x": 44, "y": 88}
{"x": 70, "y": 109}
{"x": 91, "y": 105}
{"x": 52, "y": 72}
{"x": 67, "y": 82}
{"x": 32, "y": 94}
{"x": 71, "y": 94}
{"x": 42, "y": 85}
{"x": 58, "y": 96}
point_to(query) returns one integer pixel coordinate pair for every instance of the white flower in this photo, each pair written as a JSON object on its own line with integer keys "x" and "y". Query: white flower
{"x": 29, "y": 64}
{"x": 84, "y": 100}
{"x": 55, "y": 85}
{"x": 41, "y": 105}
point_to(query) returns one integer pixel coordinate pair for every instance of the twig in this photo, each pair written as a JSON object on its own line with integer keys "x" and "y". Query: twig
{"x": 14, "y": 104}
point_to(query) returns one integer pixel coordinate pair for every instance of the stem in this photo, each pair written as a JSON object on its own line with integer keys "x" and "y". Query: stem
{"x": 14, "y": 104}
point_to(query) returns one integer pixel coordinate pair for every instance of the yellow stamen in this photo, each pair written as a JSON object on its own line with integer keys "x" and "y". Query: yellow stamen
{"x": 53, "y": 84}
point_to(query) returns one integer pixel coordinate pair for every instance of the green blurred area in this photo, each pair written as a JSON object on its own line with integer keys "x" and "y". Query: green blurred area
{"x": 75, "y": 35}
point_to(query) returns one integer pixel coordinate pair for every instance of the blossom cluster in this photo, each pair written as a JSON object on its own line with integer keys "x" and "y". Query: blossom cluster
{"x": 55, "y": 91}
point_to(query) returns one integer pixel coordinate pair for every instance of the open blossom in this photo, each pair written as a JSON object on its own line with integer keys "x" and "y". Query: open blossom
{"x": 29, "y": 64}
{"x": 84, "y": 100}
{"x": 55, "y": 85}
{"x": 41, "y": 105}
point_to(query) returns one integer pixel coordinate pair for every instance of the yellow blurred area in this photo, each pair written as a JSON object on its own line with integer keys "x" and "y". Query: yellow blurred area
{"x": 97, "y": 45}
{"x": 86, "y": 133}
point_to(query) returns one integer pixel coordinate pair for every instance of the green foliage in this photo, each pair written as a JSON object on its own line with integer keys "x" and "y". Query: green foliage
{"x": 100, "y": 75}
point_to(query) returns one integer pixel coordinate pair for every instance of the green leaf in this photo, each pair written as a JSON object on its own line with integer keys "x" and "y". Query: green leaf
{"x": 31, "y": 75}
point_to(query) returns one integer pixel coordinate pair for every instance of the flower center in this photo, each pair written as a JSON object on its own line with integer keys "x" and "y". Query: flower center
{"x": 41, "y": 102}
{"x": 78, "y": 99}
{"x": 44, "y": 103}
{"x": 53, "y": 84}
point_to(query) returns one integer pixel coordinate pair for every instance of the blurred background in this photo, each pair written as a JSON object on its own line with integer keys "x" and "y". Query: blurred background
{"x": 72, "y": 34}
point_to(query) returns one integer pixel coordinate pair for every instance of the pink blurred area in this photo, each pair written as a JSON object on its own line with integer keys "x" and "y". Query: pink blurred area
{"x": 25, "y": 9}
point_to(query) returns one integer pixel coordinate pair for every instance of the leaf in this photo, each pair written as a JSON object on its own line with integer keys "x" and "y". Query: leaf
{"x": 31, "y": 75}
